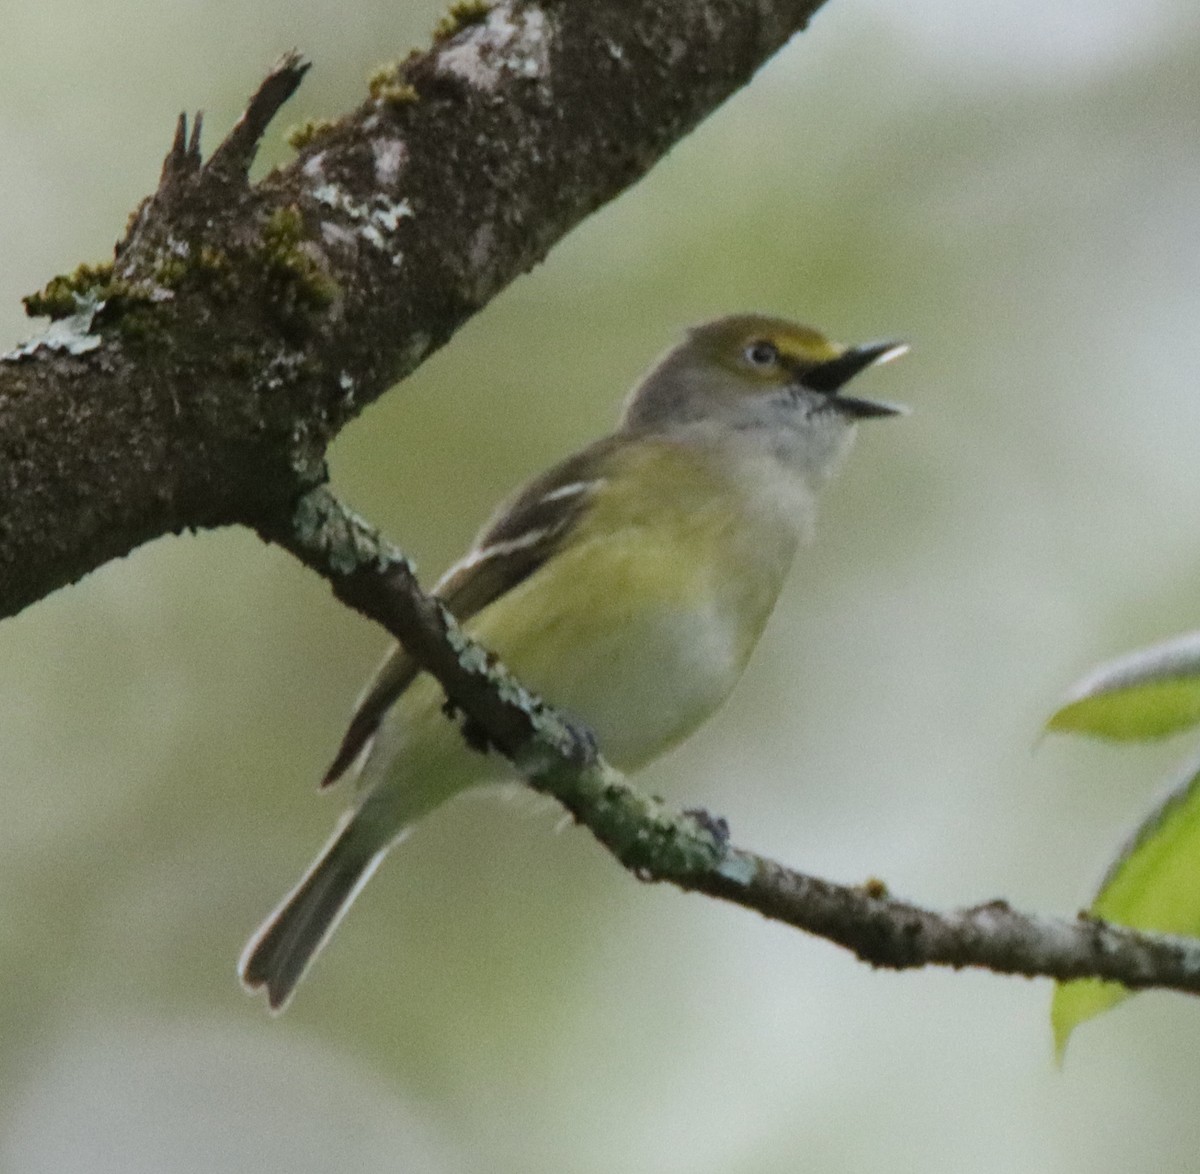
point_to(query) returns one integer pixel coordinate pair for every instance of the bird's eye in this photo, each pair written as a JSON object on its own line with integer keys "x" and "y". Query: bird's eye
{"x": 761, "y": 353}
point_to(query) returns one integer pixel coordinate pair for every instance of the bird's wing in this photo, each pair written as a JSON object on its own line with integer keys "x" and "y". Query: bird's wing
{"x": 521, "y": 536}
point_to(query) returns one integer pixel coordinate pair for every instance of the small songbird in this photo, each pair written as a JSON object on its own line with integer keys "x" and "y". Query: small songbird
{"x": 627, "y": 586}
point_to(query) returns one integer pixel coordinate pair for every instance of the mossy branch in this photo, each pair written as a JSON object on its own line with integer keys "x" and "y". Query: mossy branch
{"x": 692, "y": 849}
{"x": 197, "y": 378}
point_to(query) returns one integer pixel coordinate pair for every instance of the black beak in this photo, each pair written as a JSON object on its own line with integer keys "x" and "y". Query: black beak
{"x": 831, "y": 376}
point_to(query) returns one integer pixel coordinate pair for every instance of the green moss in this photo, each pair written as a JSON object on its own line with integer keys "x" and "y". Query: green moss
{"x": 207, "y": 266}
{"x": 211, "y": 260}
{"x": 387, "y": 84}
{"x": 213, "y": 269}
{"x": 143, "y": 328}
{"x": 459, "y": 15}
{"x": 307, "y": 132}
{"x": 385, "y": 75}
{"x": 171, "y": 271}
{"x": 299, "y": 283}
{"x": 127, "y": 305}
{"x": 401, "y": 94}
{"x": 61, "y": 296}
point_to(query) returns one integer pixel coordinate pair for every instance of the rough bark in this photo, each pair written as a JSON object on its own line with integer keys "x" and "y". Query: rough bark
{"x": 198, "y": 382}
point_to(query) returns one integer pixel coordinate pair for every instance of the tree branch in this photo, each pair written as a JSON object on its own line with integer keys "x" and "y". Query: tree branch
{"x": 197, "y": 380}
{"x": 691, "y": 849}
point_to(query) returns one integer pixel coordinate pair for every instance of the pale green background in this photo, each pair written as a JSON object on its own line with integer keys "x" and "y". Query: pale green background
{"x": 1014, "y": 187}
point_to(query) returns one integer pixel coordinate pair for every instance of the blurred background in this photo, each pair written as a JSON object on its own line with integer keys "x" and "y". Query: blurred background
{"x": 1013, "y": 188}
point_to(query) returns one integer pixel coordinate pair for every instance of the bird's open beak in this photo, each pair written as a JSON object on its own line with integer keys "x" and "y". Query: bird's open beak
{"x": 829, "y": 377}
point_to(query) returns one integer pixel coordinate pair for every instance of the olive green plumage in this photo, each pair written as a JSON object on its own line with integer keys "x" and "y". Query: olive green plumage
{"x": 628, "y": 586}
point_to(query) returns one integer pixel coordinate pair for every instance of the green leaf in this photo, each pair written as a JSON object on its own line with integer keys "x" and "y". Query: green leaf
{"x": 1154, "y": 884}
{"x": 1147, "y": 694}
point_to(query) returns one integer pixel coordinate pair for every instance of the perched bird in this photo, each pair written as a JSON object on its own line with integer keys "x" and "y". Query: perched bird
{"x": 627, "y": 586}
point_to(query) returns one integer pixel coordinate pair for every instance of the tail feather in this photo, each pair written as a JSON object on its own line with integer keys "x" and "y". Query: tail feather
{"x": 287, "y": 942}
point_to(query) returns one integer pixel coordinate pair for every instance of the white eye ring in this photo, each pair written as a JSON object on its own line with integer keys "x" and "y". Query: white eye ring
{"x": 761, "y": 353}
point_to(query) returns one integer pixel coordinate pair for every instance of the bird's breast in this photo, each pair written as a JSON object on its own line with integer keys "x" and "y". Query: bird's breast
{"x": 641, "y": 630}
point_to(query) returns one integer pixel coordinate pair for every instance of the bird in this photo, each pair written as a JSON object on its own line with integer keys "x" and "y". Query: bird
{"x": 627, "y": 586}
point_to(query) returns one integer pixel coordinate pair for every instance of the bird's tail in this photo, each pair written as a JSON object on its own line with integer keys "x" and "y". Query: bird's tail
{"x": 287, "y": 942}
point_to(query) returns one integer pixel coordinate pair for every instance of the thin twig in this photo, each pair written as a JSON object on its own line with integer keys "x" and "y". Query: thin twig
{"x": 691, "y": 849}
{"x": 236, "y": 153}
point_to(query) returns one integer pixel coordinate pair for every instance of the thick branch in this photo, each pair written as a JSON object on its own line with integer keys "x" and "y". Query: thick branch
{"x": 198, "y": 381}
{"x": 692, "y": 850}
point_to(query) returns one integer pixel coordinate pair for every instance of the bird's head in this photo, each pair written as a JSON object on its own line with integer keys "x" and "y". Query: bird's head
{"x": 766, "y": 380}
